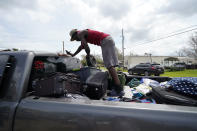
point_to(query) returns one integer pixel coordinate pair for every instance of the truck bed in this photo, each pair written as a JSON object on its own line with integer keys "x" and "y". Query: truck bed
{"x": 20, "y": 111}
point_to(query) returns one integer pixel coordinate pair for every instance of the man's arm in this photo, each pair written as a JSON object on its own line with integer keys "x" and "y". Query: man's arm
{"x": 84, "y": 43}
{"x": 76, "y": 52}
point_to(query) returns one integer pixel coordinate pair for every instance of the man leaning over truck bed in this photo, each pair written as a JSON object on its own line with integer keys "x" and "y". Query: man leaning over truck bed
{"x": 107, "y": 45}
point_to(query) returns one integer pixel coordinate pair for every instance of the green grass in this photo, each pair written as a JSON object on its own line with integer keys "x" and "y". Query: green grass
{"x": 118, "y": 69}
{"x": 185, "y": 73}
{"x": 102, "y": 68}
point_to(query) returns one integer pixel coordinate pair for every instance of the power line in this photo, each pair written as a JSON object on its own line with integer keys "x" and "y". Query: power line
{"x": 166, "y": 37}
{"x": 183, "y": 29}
{"x": 169, "y": 33}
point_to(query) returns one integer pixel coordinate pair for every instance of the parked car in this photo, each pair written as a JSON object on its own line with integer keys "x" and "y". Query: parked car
{"x": 146, "y": 69}
{"x": 178, "y": 66}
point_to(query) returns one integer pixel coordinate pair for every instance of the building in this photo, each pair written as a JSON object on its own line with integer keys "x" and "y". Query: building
{"x": 131, "y": 61}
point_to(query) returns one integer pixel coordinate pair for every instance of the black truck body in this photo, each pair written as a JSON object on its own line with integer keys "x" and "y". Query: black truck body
{"x": 21, "y": 112}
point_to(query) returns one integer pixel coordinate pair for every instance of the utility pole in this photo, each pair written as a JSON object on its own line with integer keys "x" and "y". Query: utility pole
{"x": 122, "y": 47}
{"x": 63, "y": 47}
{"x": 151, "y": 58}
{"x": 150, "y": 55}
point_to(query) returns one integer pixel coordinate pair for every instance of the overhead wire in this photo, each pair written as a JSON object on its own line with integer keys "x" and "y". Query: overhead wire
{"x": 168, "y": 36}
{"x": 141, "y": 41}
{"x": 172, "y": 34}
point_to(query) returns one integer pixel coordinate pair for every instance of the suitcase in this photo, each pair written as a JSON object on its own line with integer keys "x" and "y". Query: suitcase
{"x": 96, "y": 85}
{"x": 73, "y": 84}
{"x": 164, "y": 96}
{"x": 85, "y": 72}
{"x": 57, "y": 84}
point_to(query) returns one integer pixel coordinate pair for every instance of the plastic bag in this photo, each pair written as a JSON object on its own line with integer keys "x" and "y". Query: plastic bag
{"x": 149, "y": 82}
{"x": 128, "y": 93}
{"x": 143, "y": 89}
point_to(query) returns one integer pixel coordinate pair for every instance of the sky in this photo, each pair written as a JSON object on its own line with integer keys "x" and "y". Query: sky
{"x": 42, "y": 25}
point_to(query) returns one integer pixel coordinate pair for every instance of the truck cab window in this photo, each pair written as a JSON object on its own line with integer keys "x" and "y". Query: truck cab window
{"x": 6, "y": 68}
{"x": 41, "y": 68}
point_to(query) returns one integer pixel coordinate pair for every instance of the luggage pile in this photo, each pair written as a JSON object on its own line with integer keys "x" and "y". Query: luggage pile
{"x": 177, "y": 91}
{"x": 57, "y": 84}
{"x": 61, "y": 84}
{"x": 56, "y": 77}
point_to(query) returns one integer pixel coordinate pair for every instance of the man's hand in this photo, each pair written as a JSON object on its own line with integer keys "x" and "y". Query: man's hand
{"x": 68, "y": 52}
{"x": 61, "y": 54}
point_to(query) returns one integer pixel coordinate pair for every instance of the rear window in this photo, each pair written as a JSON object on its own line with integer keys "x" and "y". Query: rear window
{"x": 179, "y": 63}
{"x": 6, "y": 70}
{"x": 138, "y": 65}
{"x": 156, "y": 64}
{"x": 3, "y": 63}
{"x": 143, "y": 65}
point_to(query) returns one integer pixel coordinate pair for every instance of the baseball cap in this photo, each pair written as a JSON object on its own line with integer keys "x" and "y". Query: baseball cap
{"x": 72, "y": 32}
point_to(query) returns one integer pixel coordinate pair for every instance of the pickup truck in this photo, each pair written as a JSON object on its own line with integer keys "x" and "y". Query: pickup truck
{"x": 21, "y": 111}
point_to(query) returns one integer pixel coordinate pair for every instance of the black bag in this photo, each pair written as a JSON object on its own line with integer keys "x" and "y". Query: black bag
{"x": 164, "y": 96}
{"x": 91, "y": 61}
{"x": 85, "y": 72}
{"x": 57, "y": 84}
{"x": 96, "y": 85}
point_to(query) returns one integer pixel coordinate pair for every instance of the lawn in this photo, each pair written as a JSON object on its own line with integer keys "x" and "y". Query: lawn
{"x": 118, "y": 69}
{"x": 185, "y": 73}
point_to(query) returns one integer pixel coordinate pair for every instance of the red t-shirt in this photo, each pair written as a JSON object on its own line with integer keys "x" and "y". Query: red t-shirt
{"x": 95, "y": 37}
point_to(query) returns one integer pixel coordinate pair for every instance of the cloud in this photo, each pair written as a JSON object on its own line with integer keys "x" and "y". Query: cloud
{"x": 138, "y": 34}
{"x": 12, "y": 4}
{"x": 44, "y": 24}
{"x": 115, "y": 9}
{"x": 40, "y": 16}
{"x": 184, "y": 8}
{"x": 41, "y": 28}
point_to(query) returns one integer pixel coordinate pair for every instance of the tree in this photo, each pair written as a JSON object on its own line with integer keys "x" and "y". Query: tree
{"x": 181, "y": 52}
{"x": 193, "y": 46}
{"x": 15, "y": 49}
{"x": 99, "y": 60}
{"x": 191, "y": 51}
{"x": 83, "y": 60}
{"x": 120, "y": 56}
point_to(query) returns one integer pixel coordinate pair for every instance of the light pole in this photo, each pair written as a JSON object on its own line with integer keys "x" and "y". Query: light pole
{"x": 149, "y": 54}
{"x": 122, "y": 47}
{"x": 150, "y": 58}
{"x": 63, "y": 47}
